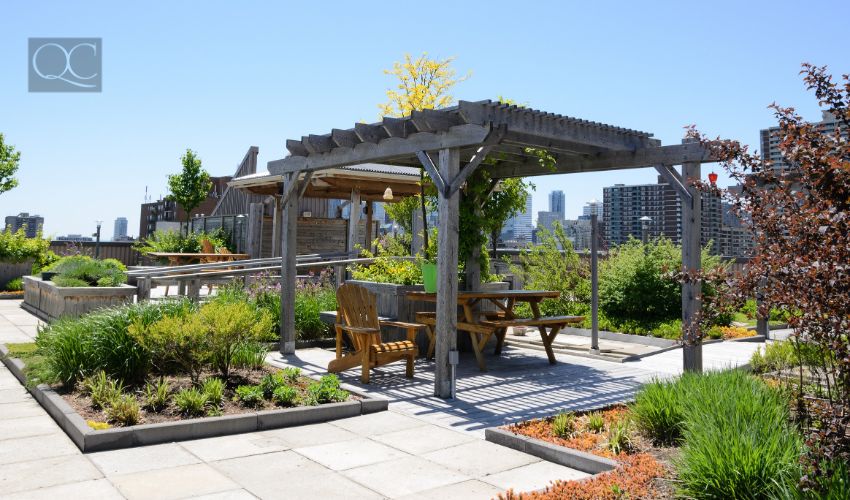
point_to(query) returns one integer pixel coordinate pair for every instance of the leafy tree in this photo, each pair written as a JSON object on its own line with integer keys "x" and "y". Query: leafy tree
{"x": 192, "y": 186}
{"x": 9, "y": 159}
{"x": 423, "y": 83}
{"x": 800, "y": 218}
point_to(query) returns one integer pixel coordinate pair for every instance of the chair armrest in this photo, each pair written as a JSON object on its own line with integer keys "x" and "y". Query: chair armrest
{"x": 358, "y": 329}
{"x": 401, "y": 324}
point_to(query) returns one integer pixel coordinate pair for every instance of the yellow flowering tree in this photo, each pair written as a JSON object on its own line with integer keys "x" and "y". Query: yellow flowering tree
{"x": 423, "y": 83}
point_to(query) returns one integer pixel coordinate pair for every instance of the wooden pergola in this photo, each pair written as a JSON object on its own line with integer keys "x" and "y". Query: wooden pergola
{"x": 450, "y": 144}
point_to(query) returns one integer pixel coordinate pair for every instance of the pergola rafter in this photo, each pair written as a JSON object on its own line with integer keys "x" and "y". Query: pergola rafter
{"x": 511, "y": 136}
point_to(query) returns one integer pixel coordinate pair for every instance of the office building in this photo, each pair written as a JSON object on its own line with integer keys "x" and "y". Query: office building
{"x": 556, "y": 203}
{"x": 32, "y": 224}
{"x": 518, "y": 228}
{"x": 119, "y": 230}
{"x": 547, "y": 220}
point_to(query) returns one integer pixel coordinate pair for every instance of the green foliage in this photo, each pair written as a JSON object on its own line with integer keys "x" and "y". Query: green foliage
{"x": 270, "y": 382}
{"x": 191, "y": 402}
{"x": 738, "y": 442}
{"x": 9, "y": 160}
{"x": 637, "y": 282}
{"x": 389, "y": 264}
{"x": 82, "y": 270}
{"x": 192, "y": 186}
{"x": 156, "y": 395}
{"x": 230, "y": 325}
{"x": 175, "y": 242}
{"x": 285, "y": 395}
{"x": 15, "y": 247}
{"x": 174, "y": 344}
{"x": 659, "y": 410}
{"x": 250, "y": 396}
{"x": 310, "y": 300}
{"x": 76, "y": 347}
{"x": 213, "y": 389}
{"x": 15, "y": 285}
{"x": 250, "y": 356}
{"x": 326, "y": 390}
{"x": 102, "y": 390}
{"x": 291, "y": 374}
{"x": 564, "y": 425}
{"x": 546, "y": 266}
{"x": 595, "y": 422}
{"x": 620, "y": 436}
{"x": 788, "y": 354}
{"x": 124, "y": 410}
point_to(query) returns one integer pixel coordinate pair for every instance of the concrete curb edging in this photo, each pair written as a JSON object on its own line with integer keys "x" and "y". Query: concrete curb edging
{"x": 561, "y": 455}
{"x": 88, "y": 439}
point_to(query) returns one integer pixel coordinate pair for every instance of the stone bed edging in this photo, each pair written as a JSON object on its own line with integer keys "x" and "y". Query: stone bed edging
{"x": 89, "y": 440}
{"x": 568, "y": 457}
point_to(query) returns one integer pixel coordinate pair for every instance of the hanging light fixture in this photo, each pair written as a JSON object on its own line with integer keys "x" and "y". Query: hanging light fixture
{"x": 712, "y": 178}
{"x": 388, "y": 194}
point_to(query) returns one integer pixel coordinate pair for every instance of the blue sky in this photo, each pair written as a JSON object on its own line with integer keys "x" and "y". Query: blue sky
{"x": 221, "y": 76}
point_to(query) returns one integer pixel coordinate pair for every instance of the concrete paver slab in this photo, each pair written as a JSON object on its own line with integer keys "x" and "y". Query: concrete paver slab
{"x": 14, "y": 395}
{"x": 29, "y": 408}
{"x": 532, "y": 476}
{"x": 378, "y": 423}
{"x": 172, "y": 483}
{"x": 239, "y": 445}
{"x": 480, "y": 458}
{"x": 349, "y": 454}
{"x": 34, "y": 474}
{"x": 97, "y": 489}
{"x": 310, "y": 435}
{"x": 458, "y": 491}
{"x": 25, "y": 449}
{"x": 27, "y": 426}
{"x": 142, "y": 458}
{"x": 419, "y": 440}
{"x": 406, "y": 476}
{"x": 239, "y": 494}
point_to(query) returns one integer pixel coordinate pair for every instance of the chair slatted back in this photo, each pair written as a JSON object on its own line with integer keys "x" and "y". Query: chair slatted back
{"x": 358, "y": 307}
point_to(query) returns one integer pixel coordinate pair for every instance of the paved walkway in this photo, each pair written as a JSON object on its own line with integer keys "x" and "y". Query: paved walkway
{"x": 424, "y": 447}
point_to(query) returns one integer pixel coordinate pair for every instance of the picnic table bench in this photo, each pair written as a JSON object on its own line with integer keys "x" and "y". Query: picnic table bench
{"x": 482, "y": 327}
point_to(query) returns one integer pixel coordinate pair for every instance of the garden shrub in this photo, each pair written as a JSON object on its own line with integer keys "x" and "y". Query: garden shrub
{"x": 250, "y": 396}
{"x": 738, "y": 440}
{"x": 191, "y": 402}
{"x": 175, "y": 242}
{"x": 595, "y": 422}
{"x": 552, "y": 264}
{"x": 250, "y": 356}
{"x": 82, "y": 270}
{"x": 15, "y": 285}
{"x": 77, "y": 347}
{"x": 620, "y": 436}
{"x": 291, "y": 373}
{"x": 326, "y": 390}
{"x": 156, "y": 396}
{"x": 285, "y": 396}
{"x": 213, "y": 389}
{"x": 270, "y": 382}
{"x": 102, "y": 390}
{"x": 16, "y": 247}
{"x": 659, "y": 410}
{"x": 124, "y": 410}
{"x": 230, "y": 325}
{"x": 563, "y": 425}
{"x": 175, "y": 344}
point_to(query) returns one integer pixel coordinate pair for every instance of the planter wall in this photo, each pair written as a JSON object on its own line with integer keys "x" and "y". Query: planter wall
{"x": 393, "y": 303}
{"x": 50, "y": 302}
{"x": 12, "y": 270}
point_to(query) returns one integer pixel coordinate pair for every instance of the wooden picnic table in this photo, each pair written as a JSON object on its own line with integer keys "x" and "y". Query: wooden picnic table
{"x": 177, "y": 258}
{"x": 497, "y": 323}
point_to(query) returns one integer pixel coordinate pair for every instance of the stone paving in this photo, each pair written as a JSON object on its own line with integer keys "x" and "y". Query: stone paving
{"x": 424, "y": 447}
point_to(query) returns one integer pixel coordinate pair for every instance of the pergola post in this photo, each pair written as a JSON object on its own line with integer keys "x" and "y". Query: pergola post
{"x": 277, "y": 220}
{"x": 368, "y": 243}
{"x": 288, "y": 271}
{"x": 353, "y": 221}
{"x": 255, "y": 229}
{"x": 691, "y": 257}
{"x": 594, "y": 283}
{"x": 447, "y": 259}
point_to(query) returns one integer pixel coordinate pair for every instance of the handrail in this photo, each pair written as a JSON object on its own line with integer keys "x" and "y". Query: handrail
{"x": 247, "y": 263}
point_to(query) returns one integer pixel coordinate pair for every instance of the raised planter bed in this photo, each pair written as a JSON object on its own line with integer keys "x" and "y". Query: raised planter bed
{"x": 88, "y": 439}
{"x": 13, "y": 270}
{"x": 50, "y": 302}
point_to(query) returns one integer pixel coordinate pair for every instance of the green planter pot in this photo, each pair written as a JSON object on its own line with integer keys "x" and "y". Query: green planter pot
{"x": 429, "y": 276}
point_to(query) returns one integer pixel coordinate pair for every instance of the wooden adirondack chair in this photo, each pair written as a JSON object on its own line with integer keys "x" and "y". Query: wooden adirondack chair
{"x": 357, "y": 315}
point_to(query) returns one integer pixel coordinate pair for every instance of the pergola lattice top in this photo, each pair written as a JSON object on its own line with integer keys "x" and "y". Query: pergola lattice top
{"x": 507, "y": 131}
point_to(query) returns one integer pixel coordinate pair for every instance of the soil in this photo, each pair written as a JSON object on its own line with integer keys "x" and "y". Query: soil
{"x": 82, "y": 403}
{"x": 595, "y": 443}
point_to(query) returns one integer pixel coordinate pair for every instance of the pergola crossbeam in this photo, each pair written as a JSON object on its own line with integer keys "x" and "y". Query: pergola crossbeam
{"x": 429, "y": 167}
{"x": 674, "y": 179}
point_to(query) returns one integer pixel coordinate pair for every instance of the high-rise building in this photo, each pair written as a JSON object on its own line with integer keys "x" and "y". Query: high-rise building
{"x": 32, "y": 224}
{"x": 770, "y": 140}
{"x": 519, "y": 227}
{"x": 591, "y": 207}
{"x": 119, "y": 230}
{"x": 624, "y": 206}
{"x": 556, "y": 202}
{"x": 548, "y": 219}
